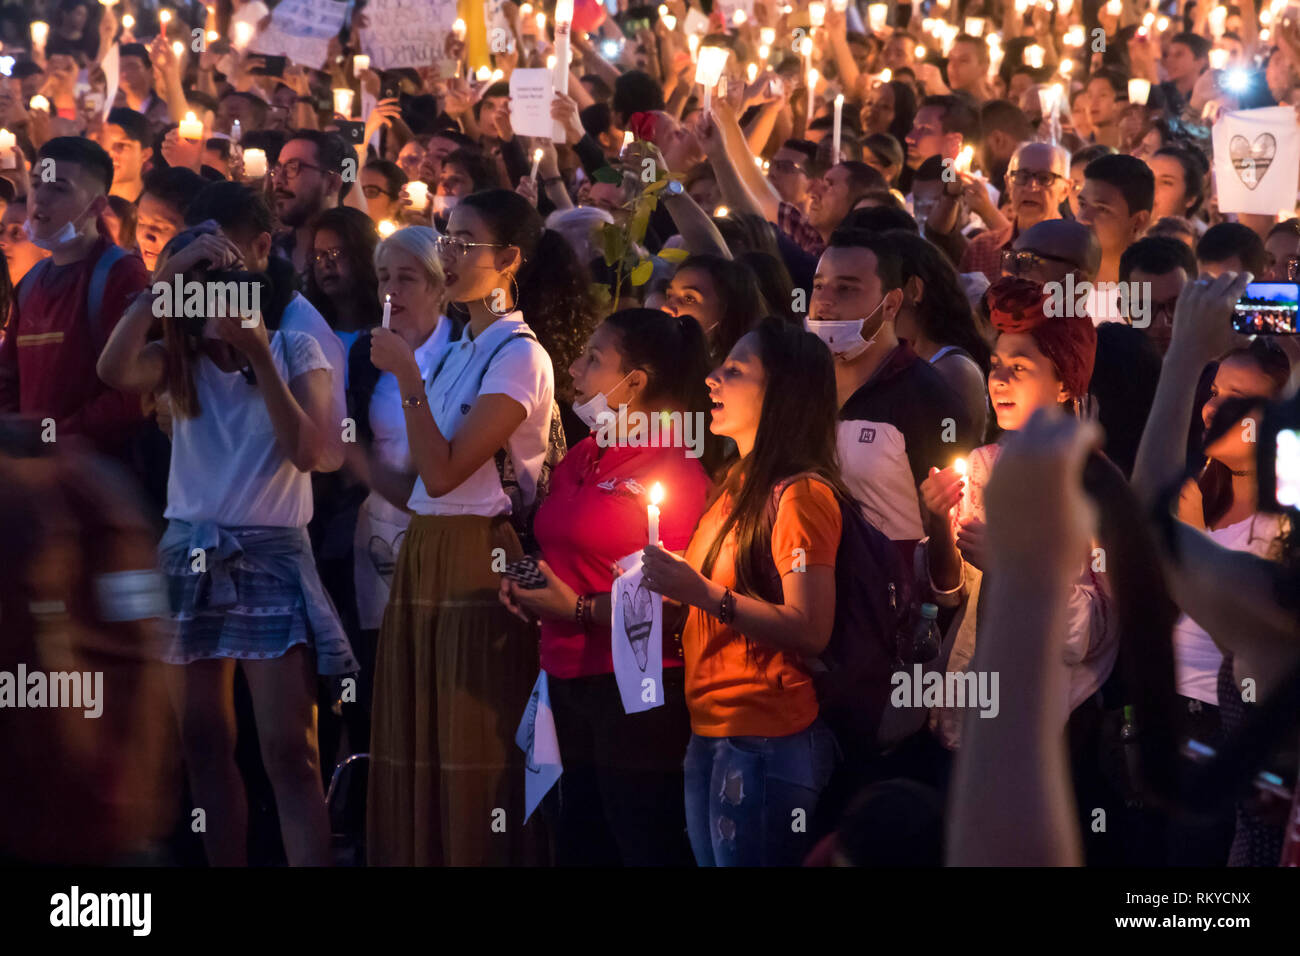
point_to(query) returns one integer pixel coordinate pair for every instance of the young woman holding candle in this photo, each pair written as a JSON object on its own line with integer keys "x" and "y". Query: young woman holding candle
{"x": 758, "y": 580}
{"x": 454, "y": 668}
{"x": 1037, "y": 362}
{"x": 619, "y": 801}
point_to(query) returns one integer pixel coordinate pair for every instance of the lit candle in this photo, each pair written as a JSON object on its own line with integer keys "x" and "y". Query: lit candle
{"x": 7, "y": 142}
{"x": 108, "y": 3}
{"x": 1218, "y": 59}
{"x": 812, "y": 93}
{"x": 835, "y": 134}
{"x": 550, "y": 62}
{"x": 213, "y": 36}
{"x": 919, "y": 52}
{"x": 764, "y": 53}
{"x": 1065, "y": 6}
{"x": 1066, "y": 67}
{"x": 7, "y": 139}
{"x": 388, "y": 302}
{"x": 739, "y": 18}
{"x": 498, "y": 76}
{"x": 385, "y": 228}
{"x": 128, "y": 21}
{"x": 670, "y": 22}
{"x": 360, "y": 63}
{"x": 418, "y": 193}
{"x": 1162, "y": 24}
{"x": 693, "y": 44}
{"x": 767, "y": 36}
{"x": 190, "y": 127}
{"x": 164, "y": 16}
{"x": 1149, "y": 18}
{"x": 1114, "y": 7}
{"x": 839, "y": 6}
{"x": 652, "y": 511}
{"x": 751, "y": 72}
{"x": 817, "y": 14}
{"x": 975, "y": 26}
{"x": 960, "y": 467}
{"x": 886, "y": 75}
{"x": 877, "y": 14}
{"x": 1034, "y": 56}
{"x": 459, "y": 29}
{"x": 39, "y": 103}
{"x": 537, "y": 161}
{"x": 236, "y": 131}
{"x": 243, "y": 34}
{"x": 1074, "y": 36}
{"x": 720, "y": 212}
{"x": 541, "y": 23}
{"x": 1138, "y": 91}
{"x": 40, "y": 32}
{"x": 178, "y": 49}
{"x": 254, "y": 163}
{"x": 483, "y": 74}
{"x": 964, "y": 158}
{"x": 343, "y": 102}
{"x": 628, "y": 138}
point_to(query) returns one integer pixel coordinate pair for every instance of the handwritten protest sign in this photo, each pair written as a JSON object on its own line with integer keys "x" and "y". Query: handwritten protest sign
{"x": 301, "y": 30}
{"x": 530, "y": 103}
{"x": 402, "y": 33}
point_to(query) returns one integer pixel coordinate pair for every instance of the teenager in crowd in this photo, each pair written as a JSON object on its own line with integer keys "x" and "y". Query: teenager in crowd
{"x": 1115, "y": 203}
{"x": 341, "y": 283}
{"x": 160, "y": 211}
{"x": 251, "y": 404}
{"x": 620, "y": 797}
{"x": 720, "y": 294}
{"x": 454, "y": 668}
{"x": 760, "y": 589}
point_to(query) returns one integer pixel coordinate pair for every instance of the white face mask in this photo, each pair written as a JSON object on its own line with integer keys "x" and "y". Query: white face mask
{"x": 597, "y": 407}
{"x": 68, "y": 233}
{"x": 844, "y": 338}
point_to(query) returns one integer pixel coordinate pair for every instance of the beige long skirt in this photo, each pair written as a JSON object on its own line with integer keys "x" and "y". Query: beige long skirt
{"x": 453, "y": 673}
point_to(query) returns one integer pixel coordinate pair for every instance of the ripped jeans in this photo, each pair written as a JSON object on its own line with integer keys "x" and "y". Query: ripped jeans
{"x": 750, "y": 800}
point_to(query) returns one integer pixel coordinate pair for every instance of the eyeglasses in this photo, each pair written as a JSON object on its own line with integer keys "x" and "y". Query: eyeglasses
{"x": 453, "y": 247}
{"x": 1021, "y": 261}
{"x": 786, "y": 166}
{"x": 293, "y": 169}
{"x": 333, "y": 255}
{"x": 374, "y": 192}
{"x": 1041, "y": 177}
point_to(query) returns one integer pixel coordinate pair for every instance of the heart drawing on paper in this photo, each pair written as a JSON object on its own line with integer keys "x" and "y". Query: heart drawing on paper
{"x": 383, "y": 554}
{"x": 530, "y": 736}
{"x": 1251, "y": 160}
{"x": 638, "y": 613}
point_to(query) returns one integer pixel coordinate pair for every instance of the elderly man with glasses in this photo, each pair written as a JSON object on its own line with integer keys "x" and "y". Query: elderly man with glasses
{"x": 1038, "y": 179}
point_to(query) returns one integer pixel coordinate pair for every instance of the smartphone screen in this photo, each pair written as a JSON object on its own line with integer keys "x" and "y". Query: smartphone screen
{"x": 1267, "y": 308}
{"x": 1286, "y": 468}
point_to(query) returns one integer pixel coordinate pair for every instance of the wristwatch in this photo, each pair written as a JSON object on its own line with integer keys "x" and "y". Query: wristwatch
{"x": 674, "y": 189}
{"x": 413, "y": 401}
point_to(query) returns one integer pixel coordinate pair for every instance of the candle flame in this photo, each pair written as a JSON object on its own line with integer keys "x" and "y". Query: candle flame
{"x": 385, "y": 228}
{"x": 537, "y": 154}
{"x": 959, "y": 466}
{"x": 656, "y": 494}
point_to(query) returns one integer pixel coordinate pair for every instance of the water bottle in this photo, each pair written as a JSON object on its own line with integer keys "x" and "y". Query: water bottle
{"x": 926, "y": 639}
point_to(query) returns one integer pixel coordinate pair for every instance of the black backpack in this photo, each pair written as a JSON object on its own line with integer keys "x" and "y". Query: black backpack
{"x": 873, "y": 611}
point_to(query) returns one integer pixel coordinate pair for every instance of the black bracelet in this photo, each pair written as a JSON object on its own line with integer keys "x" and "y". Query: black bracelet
{"x": 552, "y": 179}
{"x": 578, "y": 611}
{"x": 727, "y": 607}
{"x": 588, "y": 602}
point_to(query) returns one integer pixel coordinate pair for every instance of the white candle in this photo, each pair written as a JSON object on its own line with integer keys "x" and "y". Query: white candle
{"x": 767, "y": 36}
{"x": 128, "y": 21}
{"x": 1114, "y": 7}
{"x": 541, "y": 23}
{"x": 537, "y": 161}
{"x": 652, "y": 511}
{"x": 388, "y": 309}
{"x": 254, "y": 163}
{"x": 975, "y": 26}
{"x": 835, "y": 135}
{"x": 360, "y": 63}
{"x": 1034, "y": 56}
{"x": 812, "y": 95}
{"x": 418, "y": 193}
{"x": 960, "y": 467}
{"x": 459, "y": 29}
{"x": 877, "y": 14}
{"x": 817, "y": 14}
{"x": 1138, "y": 91}
{"x": 343, "y": 102}
{"x": 751, "y": 72}
{"x": 190, "y": 127}
{"x": 243, "y": 34}
{"x": 7, "y": 140}
{"x": 40, "y": 32}
{"x": 178, "y": 49}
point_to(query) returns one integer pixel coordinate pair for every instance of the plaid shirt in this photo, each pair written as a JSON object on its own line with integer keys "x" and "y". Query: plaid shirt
{"x": 792, "y": 221}
{"x": 984, "y": 252}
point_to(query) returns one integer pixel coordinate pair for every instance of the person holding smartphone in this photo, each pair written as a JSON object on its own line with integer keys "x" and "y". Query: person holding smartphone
{"x": 619, "y": 801}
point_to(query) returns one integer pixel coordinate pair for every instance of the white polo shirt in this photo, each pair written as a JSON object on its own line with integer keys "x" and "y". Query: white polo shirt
{"x": 521, "y": 370}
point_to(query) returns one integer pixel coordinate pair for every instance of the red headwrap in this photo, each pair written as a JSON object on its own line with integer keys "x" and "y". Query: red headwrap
{"x": 1069, "y": 342}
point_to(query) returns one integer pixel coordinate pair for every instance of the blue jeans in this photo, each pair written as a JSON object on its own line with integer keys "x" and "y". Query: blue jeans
{"x": 750, "y": 800}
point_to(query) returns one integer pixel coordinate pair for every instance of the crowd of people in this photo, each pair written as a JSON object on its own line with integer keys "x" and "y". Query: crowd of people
{"x": 347, "y": 523}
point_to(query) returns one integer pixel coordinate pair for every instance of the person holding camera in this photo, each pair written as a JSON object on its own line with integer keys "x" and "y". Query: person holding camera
{"x": 252, "y": 412}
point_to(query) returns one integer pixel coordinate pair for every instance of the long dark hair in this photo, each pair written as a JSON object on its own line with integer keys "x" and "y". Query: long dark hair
{"x": 943, "y": 311}
{"x": 774, "y": 283}
{"x": 554, "y": 287}
{"x": 1216, "y": 480}
{"x": 357, "y": 232}
{"x": 737, "y": 288}
{"x": 904, "y": 110}
{"x": 673, "y": 353}
{"x": 796, "y": 434}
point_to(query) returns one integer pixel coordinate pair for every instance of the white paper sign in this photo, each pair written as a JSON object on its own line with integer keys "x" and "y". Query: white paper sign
{"x": 531, "y": 93}
{"x": 696, "y": 22}
{"x": 301, "y": 30}
{"x": 1256, "y": 155}
{"x": 536, "y": 737}
{"x": 410, "y": 33}
{"x": 637, "y": 639}
{"x": 111, "y": 65}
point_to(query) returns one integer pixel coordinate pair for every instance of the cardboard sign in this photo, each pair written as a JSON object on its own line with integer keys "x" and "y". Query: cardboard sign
{"x": 301, "y": 30}
{"x": 401, "y": 33}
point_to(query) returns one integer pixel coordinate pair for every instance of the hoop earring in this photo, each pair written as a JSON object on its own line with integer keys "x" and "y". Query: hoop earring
{"x": 514, "y": 298}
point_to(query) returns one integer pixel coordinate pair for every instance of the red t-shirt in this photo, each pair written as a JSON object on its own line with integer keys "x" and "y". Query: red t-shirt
{"x": 595, "y": 514}
{"x": 49, "y": 350}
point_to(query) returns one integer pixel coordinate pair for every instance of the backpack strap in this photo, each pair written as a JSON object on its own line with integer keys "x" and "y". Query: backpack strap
{"x": 99, "y": 281}
{"x": 31, "y": 280}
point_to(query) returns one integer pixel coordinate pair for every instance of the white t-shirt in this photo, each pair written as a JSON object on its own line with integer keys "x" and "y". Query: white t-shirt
{"x": 388, "y": 421}
{"x": 301, "y": 316}
{"x": 226, "y": 464}
{"x": 521, "y": 370}
{"x": 1196, "y": 657}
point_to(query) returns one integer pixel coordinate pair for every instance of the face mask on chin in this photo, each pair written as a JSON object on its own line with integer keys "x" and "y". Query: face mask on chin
{"x": 844, "y": 337}
{"x": 597, "y": 407}
{"x": 67, "y": 234}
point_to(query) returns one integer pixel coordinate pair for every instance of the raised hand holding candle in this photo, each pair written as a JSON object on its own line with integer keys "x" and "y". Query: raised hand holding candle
{"x": 254, "y": 163}
{"x": 343, "y": 102}
{"x": 835, "y": 133}
{"x": 652, "y": 511}
{"x": 360, "y": 63}
{"x": 537, "y": 161}
{"x": 39, "y": 102}
{"x": 418, "y": 193}
{"x": 40, "y": 33}
{"x": 961, "y": 468}
{"x": 190, "y": 127}
{"x": 388, "y": 309}
{"x": 1138, "y": 91}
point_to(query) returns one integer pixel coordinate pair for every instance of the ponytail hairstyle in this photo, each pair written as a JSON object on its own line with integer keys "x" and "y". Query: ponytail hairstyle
{"x": 1216, "y": 480}
{"x": 674, "y": 355}
{"x": 943, "y": 311}
{"x": 796, "y": 434}
{"x": 554, "y": 288}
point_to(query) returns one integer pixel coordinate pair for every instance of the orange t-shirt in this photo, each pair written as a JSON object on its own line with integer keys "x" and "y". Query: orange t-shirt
{"x": 729, "y": 692}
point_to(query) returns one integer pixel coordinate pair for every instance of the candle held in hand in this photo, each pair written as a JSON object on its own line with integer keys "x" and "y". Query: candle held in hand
{"x": 962, "y": 469}
{"x": 360, "y": 63}
{"x": 839, "y": 121}
{"x": 343, "y": 102}
{"x": 254, "y": 163}
{"x": 190, "y": 127}
{"x": 652, "y": 511}
{"x": 537, "y": 161}
{"x": 418, "y": 193}
{"x": 388, "y": 309}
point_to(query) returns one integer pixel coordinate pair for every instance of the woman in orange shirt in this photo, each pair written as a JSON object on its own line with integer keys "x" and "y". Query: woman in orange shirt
{"x": 759, "y": 579}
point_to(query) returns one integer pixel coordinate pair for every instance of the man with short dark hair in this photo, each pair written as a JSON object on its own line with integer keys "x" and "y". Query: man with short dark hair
{"x": 598, "y": 123}
{"x": 1230, "y": 247}
{"x": 968, "y": 67}
{"x": 1165, "y": 265}
{"x": 1003, "y": 127}
{"x": 831, "y": 198}
{"x": 792, "y": 169}
{"x": 126, "y": 138}
{"x": 1185, "y": 59}
{"x": 635, "y": 92}
{"x": 1115, "y": 203}
{"x": 305, "y": 181}
{"x": 1107, "y": 94}
{"x": 135, "y": 80}
{"x": 67, "y": 305}
{"x": 160, "y": 211}
{"x": 943, "y": 125}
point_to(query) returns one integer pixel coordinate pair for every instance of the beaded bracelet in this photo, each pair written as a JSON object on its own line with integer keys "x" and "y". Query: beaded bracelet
{"x": 727, "y": 607}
